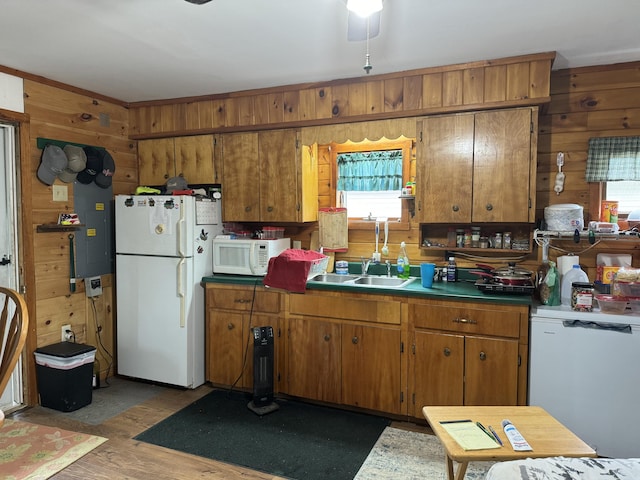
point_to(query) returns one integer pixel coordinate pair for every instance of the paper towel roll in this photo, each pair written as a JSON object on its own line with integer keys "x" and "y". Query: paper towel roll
{"x": 566, "y": 263}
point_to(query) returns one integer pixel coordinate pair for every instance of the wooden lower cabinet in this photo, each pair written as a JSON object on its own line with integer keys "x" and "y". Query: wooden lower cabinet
{"x": 336, "y": 358}
{"x": 383, "y": 353}
{"x": 467, "y": 354}
{"x": 231, "y": 314}
{"x": 313, "y": 359}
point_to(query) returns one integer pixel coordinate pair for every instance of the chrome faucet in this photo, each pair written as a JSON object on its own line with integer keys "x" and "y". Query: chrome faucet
{"x": 365, "y": 264}
{"x": 388, "y": 263}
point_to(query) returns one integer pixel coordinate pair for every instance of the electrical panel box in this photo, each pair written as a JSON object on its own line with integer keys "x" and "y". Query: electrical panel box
{"x": 93, "y": 241}
{"x": 93, "y": 286}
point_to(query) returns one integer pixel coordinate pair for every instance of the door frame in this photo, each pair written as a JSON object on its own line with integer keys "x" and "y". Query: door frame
{"x": 25, "y": 230}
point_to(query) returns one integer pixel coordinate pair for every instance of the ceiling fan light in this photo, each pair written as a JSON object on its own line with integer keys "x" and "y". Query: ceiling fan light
{"x": 364, "y": 8}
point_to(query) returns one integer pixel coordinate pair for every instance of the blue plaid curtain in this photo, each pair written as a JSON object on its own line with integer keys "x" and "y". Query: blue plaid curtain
{"x": 613, "y": 158}
{"x": 370, "y": 171}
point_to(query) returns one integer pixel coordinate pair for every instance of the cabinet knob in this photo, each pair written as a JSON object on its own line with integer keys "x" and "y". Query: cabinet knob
{"x": 446, "y": 351}
{"x": 247, "y": 209}
{"x": 230, "y": 326}
{"x": 166, "y": 176}
{"x": 455, "y": 208}
{"x": 489, "y": 207}
{"x": 354, "y": 340}
{"x": 327, "y": 337}
{"x": 483, "y": 356}
{"x": 269, "y": 208}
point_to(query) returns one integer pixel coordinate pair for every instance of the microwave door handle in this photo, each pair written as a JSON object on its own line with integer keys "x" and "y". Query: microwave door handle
{"x": 181, "y": 291}
{"x": 252, "y": 258}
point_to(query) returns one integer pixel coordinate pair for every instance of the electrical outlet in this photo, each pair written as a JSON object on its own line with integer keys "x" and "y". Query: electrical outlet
{"x": 64, "y": 336}
{"x": 60, "y": 193}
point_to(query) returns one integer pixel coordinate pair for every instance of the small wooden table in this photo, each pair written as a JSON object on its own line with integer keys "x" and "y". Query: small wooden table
{"x": 546, "y": 436}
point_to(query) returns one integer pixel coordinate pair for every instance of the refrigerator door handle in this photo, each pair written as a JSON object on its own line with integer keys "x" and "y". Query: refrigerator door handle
{"x": 181, "y": 292}
{"x": 181, "y": 229}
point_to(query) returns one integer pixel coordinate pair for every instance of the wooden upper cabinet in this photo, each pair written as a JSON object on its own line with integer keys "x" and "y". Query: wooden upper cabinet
{"x": 156, "y": 161}
{"x": 195, "y": 159}
{"x": 477, "y": 167}
{"x": 240, "y": 177}
{"x": 268, "y": 177}
{"x": 189, "y": 157}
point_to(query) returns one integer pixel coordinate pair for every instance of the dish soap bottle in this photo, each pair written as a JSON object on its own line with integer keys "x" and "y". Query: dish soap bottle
{"x": 403, "y": 262}
{"x": 452, "y": 270}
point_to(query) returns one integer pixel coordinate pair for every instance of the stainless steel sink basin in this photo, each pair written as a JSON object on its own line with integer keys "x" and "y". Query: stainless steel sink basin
{"x": 333, "y": 278}
{"x": 383, "y": 281}
{"x": 362, "y": 281}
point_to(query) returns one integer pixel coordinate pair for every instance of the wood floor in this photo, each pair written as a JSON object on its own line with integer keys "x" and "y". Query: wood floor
{"x": 124, "y": 458}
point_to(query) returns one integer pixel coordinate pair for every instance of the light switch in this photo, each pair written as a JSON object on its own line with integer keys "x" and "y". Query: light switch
{"x": 60, "y": 193}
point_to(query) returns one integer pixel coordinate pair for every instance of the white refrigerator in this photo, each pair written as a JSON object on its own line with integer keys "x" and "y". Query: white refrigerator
{"x": 163, "y": 249}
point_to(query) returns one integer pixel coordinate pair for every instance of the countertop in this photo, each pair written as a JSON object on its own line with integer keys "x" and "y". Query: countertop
{"x": 462, "y": 290}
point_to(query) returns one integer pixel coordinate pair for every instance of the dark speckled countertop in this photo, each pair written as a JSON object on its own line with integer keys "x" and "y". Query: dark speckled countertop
{"x": 462, "y": 290}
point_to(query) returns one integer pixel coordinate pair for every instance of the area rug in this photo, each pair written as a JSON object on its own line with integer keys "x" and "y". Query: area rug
{"x": 407, "y": 455}
{"x": 112, "y": 399}
{"x": 30, "y": 451}
{"x": 298, "y": 441}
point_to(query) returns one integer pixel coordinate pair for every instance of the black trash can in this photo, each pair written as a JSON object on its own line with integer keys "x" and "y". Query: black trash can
{"x": 65, "y": 375}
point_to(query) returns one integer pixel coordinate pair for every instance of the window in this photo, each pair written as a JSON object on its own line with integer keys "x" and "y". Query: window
{"x": 614, "y": 162}
{"x": 369, "y": 177}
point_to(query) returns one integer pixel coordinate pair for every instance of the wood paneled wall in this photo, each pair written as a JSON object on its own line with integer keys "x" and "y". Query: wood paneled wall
{"x": 513, "y": 81}
{"x": 586, "y": 102}
{"x": 67, "y": 116}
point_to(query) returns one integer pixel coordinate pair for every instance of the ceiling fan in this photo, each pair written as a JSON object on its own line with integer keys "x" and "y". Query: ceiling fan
{"x": 198, "y": 2}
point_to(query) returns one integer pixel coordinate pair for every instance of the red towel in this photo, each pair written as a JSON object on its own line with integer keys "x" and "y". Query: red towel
{"x": 290, "y": 269}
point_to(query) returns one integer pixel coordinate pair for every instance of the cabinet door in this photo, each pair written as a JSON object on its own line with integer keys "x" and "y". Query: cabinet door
{"x": 491, "y": 371}
{"x": 313, "y": 363}
{"x": 241, "y": 177}
{"x": 224, "y": 346}
{"x": 444, "y": 165}
{"x": 501, "y": 166}
{"x": 371, "y": 366}
{"x": 279, "y": 187}
{"x": 438, "y": 370}
{"x": 156, "y": 161}
{"x": 194, "y": 159}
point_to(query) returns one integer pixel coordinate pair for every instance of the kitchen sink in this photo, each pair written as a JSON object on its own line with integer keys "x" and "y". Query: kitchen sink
{"x": 333, "y": 278}
{"x": 362, "y": 281}
{"x": 383, "y": 281}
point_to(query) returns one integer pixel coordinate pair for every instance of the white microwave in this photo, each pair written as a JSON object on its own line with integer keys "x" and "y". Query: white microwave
{"x": 246, "y": 256}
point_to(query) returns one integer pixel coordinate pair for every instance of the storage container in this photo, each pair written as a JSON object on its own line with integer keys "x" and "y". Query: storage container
{"x": 564, "y": 217}
{"x": 65, "y": 375}
{"x": 611, "y": 304}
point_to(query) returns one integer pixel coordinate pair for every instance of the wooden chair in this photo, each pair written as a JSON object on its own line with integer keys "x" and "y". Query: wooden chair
{"x": 14, "y": 322}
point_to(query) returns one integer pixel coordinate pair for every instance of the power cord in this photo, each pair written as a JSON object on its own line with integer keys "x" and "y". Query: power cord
{"x": 249, "y": 336}
{"x": 99, "y": 337}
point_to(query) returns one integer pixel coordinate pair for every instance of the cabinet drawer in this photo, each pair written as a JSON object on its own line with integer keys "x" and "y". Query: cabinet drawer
{"x": 489, "y": 320}
{"x": 242, "y": 299}
{"x": 348, "y": 308}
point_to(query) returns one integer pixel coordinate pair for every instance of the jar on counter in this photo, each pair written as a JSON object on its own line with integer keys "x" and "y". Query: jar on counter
{"x": 467, "y": 238}
{"x": 484, "y": 242}
{"x": 582, "y": 296}
{"x": 460, "y": 237}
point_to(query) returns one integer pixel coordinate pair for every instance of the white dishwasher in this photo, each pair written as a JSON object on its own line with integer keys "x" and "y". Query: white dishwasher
{"x": 585, "y": 371}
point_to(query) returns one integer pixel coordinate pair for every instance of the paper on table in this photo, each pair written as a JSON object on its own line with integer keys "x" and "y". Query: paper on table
{"x": 469, "y": 435}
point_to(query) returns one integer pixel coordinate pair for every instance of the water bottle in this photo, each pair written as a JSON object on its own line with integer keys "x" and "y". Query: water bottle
{"x": 576, "y": 274}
